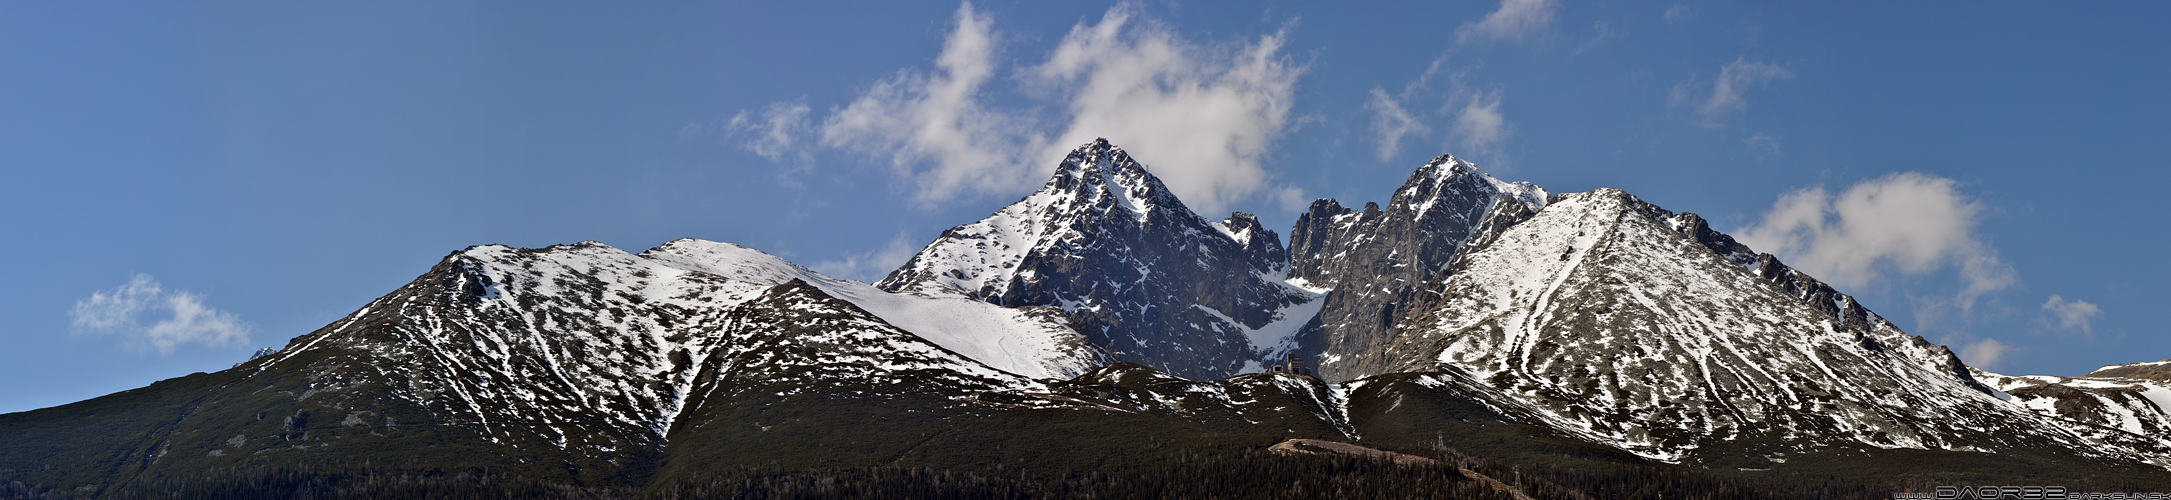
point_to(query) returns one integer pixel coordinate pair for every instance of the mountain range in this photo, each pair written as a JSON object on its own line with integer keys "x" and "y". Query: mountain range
{"x": 1088, "y": 337}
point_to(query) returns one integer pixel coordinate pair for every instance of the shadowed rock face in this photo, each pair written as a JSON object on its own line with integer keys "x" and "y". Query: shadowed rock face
{"x": 1377, "y": 261}
{"x": 1132, "y": 268}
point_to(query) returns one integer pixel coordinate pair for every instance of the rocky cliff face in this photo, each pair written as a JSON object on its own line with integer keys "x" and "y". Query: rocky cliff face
{"x": 1376, "y": 262}
{"x": 1131, "y": 267}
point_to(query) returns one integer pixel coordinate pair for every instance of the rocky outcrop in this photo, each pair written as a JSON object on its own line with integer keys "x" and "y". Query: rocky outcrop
{"x": 1377, "y": 262}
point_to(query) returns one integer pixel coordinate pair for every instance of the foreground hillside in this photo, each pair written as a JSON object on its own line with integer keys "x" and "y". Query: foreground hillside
{"x": 1123, "y": 431}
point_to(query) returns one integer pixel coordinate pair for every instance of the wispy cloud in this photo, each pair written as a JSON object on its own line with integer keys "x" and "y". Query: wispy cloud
{"x": 1479, "y": 126}
{"x": 1678, "y": 13}
{"x": 1728, "y": 94}
{"x": 2071, "y": 316}
{"x": 936, "y": 119}
{"x": 1514, "y": 20}
{"x": 1391, "y": 122}
{"x": 775, "y": 132}
{"x": 872, "y": 265}
{"x": 1600, "y": 32}
{"x": 180, "y": 317}
{"x": 1763, "y": 143}
{"x": 1899, "y": 224}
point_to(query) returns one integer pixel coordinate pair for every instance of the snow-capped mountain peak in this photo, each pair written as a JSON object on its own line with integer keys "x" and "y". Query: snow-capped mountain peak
{"x": 1446, "y": 176}
{"x": 1100, "y": 176}
{"x": 1132, "y": 268}
{"x": 590, "y": 333}
{"x": 1098, "y": 183}
{"x": 1607, "y": 320}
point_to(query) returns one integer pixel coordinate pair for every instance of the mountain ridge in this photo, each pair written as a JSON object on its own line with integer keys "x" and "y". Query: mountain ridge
{"x": 1469, "y": 313}
{"x": 1600, "y": 313}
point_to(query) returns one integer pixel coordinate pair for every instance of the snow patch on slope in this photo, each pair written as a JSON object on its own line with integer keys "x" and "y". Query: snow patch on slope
{"x": 1014, "y": 340}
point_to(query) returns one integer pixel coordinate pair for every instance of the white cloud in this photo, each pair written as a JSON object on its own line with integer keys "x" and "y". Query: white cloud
{"x": 1479, "y": 126}
{"x": 872, "y": 265}
{"x": 1902, "y": 223}
{"x": 913, "y": 119}
{"x": 1514, "y": 20}
{"x": 1985, "y": 353}
{"x": 2072, "y": 315}
{"x": 122, "y": 310}
{"x": 775, "y": 133}
{"x": 1392, "y": 123}
{"x": 1203, "y": 116}
{"x": 1727, "y": 93}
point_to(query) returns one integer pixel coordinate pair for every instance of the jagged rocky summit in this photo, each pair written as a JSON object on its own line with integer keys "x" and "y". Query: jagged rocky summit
{"x": 1376, "y": 262}
{"x": 1131, "y": 267}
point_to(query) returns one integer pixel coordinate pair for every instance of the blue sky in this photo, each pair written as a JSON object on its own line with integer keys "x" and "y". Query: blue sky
{"x": 187, "y": 182}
